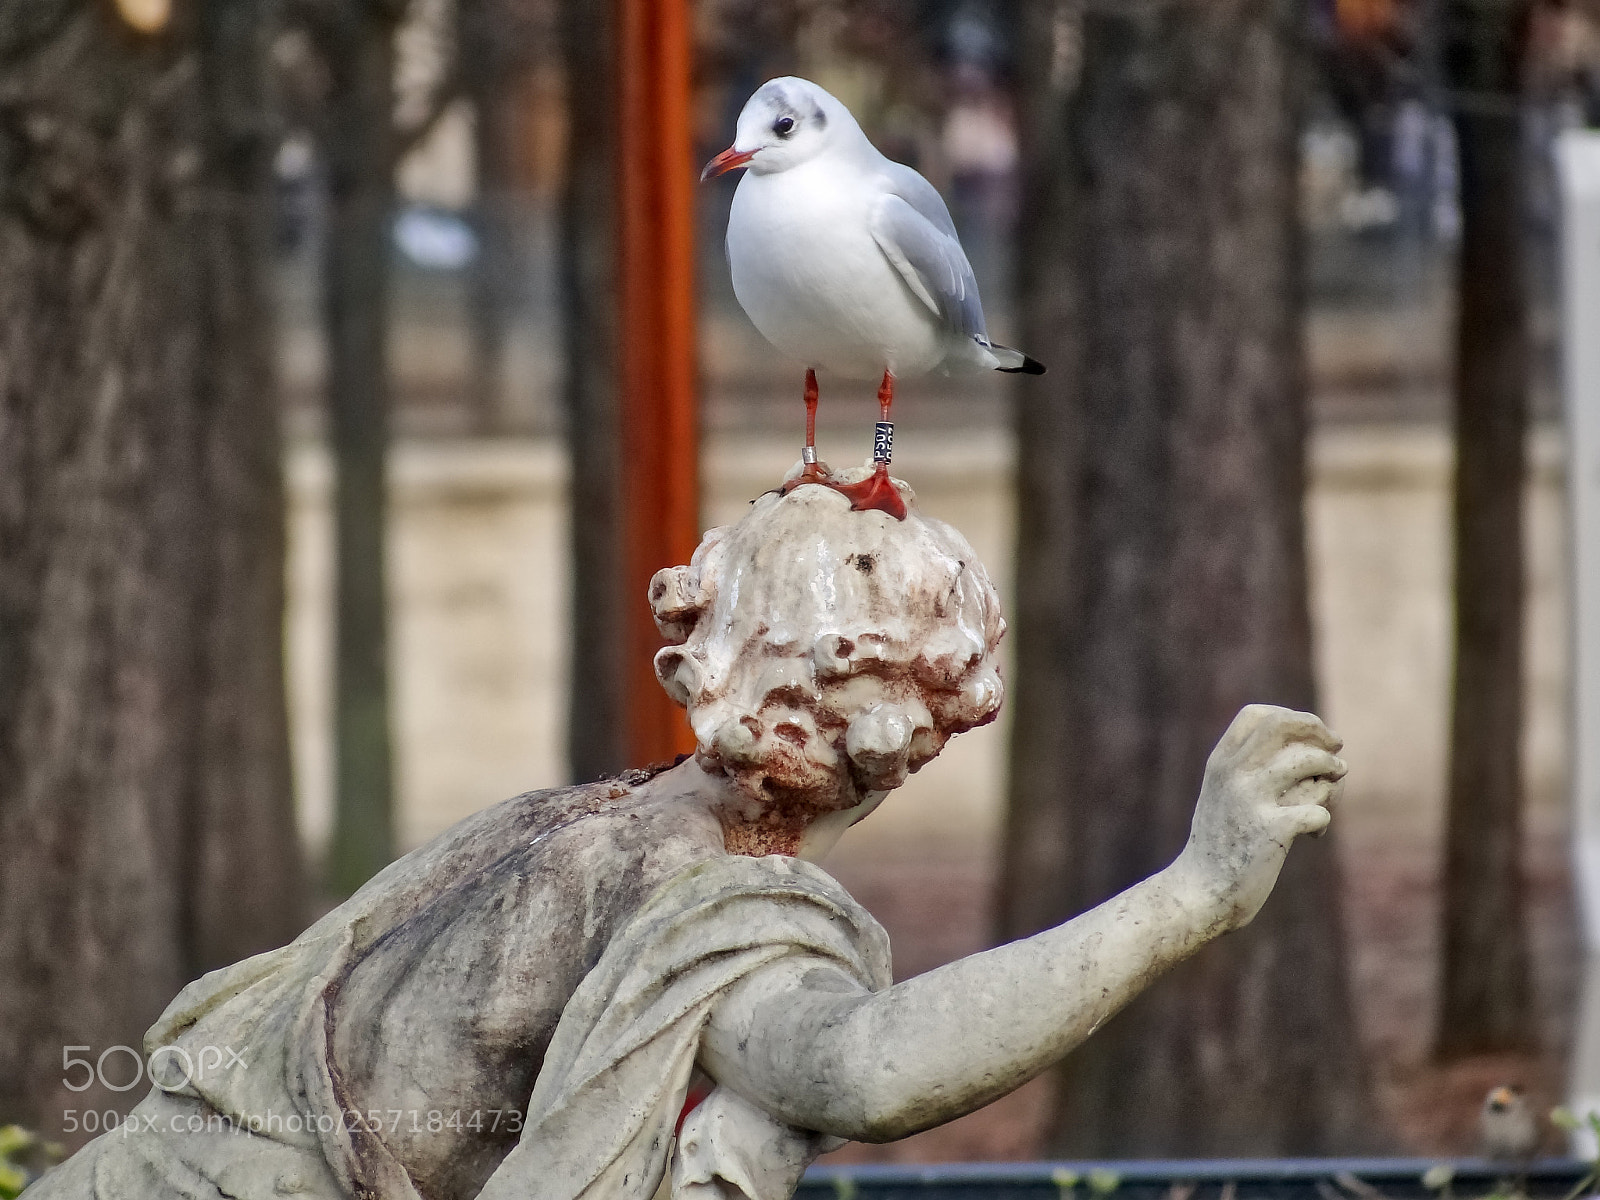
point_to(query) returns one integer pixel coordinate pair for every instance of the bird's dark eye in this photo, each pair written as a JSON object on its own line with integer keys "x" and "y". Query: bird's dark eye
{"x": 783, "y": 126}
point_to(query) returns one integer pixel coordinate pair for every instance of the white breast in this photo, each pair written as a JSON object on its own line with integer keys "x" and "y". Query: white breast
{"x": 813, "y": 281}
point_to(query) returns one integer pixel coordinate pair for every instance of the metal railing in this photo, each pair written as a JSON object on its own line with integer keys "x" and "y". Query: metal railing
{"x": 1201, "y": 1179}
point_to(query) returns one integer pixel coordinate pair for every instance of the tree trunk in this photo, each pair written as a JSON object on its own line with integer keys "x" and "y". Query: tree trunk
{"x": 359, "y": 144}
{"x": 596, "y": 713}
{"x": 1161, "y": 559}
{"x": 144, "y": 775}
{"x": 491, "y": 274}
{"x": 1485, "y": 1000}
{"x": 486, "y": 68}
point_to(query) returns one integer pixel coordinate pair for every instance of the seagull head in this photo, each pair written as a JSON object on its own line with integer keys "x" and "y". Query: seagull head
{"x": 787, "y": 122}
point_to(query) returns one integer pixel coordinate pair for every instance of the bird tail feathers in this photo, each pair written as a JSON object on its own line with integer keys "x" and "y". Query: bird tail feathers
{"x": 1012, "y": 361}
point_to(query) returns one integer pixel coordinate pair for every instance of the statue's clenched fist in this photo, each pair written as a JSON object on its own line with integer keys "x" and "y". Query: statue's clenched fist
{"x": 1270, "y": 779}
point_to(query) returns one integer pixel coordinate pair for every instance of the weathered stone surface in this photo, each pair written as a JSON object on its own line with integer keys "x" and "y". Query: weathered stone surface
{"x": 521, "y": 1007}
{"x": 824, "y": 654}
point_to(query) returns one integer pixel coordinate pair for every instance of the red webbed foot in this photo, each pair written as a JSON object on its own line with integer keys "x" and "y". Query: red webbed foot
{"x": 875, "y": 491}
{"x": 813, "y": 473}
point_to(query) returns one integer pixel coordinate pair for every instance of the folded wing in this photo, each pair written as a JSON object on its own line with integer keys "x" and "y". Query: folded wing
{"x": 913, "y": 229}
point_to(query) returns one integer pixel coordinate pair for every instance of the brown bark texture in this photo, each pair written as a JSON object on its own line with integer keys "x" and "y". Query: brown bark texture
{"x": 596, "y": 703}
{"x": 1161, "y": 559}
{"x": 497, "y": 45}
{"x": 1485, "y": 993}
{"x": 146, "y": 826}
{"x": 359, "y": 144}
{"x": 485, "y": 75}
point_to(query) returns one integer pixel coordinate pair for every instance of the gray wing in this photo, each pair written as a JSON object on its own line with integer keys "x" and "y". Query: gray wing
{"x": 913, "y": 229}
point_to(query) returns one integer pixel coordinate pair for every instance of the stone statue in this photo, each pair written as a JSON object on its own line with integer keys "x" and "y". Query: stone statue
{"x": 644, "y": 986}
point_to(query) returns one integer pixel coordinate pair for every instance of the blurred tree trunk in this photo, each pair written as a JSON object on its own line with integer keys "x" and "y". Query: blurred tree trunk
{"x": 359, "y": 145}
{"x": 493, "y": 272}
{"x": 1485, "y": 1001}
{"x": 148, "y": 830}
{"x": 1161, "y": 558}
{"x": 487, "y": 54}
{"x": 596, "y": 714}
{"x": 499, "y": 45}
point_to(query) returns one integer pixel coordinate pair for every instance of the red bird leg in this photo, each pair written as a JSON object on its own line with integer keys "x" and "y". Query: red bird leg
{"x": 809, "y": 454}
{"x": 814, "y": 471}
{"x": 883, "y": 435}
{"x": 878, "y": 490}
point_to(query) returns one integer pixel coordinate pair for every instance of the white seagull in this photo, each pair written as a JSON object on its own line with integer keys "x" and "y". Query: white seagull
{"x": 848, "y": 262}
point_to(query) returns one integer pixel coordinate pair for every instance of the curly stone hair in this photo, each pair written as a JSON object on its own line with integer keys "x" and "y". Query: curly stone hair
{"x": 822, "y": 653}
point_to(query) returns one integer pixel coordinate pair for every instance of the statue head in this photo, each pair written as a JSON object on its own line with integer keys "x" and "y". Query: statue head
{"x": 824, "y": 654}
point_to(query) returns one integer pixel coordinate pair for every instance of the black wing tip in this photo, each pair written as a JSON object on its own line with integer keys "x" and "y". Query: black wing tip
{"x": 1030, "y": 366}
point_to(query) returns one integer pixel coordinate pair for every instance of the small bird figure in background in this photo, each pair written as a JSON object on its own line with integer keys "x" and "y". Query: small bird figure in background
{"x": 1507, "y": 1125}
{"x": 848, "y": 262}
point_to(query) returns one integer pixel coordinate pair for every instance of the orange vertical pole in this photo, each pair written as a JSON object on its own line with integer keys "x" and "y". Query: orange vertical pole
{"x": 656, "y": 342}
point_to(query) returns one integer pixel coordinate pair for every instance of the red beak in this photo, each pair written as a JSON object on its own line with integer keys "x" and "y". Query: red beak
{"x": 729, "y": 160}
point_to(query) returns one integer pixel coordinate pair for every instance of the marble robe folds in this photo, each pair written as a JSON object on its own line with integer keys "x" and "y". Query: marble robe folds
{"x": 600, "y": 1122}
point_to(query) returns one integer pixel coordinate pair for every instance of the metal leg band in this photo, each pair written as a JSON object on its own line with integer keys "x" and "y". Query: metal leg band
{"x": 808, "y": 455}
{"x": 883, "y": 442}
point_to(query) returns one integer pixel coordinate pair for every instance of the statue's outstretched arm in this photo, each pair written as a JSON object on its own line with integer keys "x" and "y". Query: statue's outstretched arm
{"x": 810, "y": 1046}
